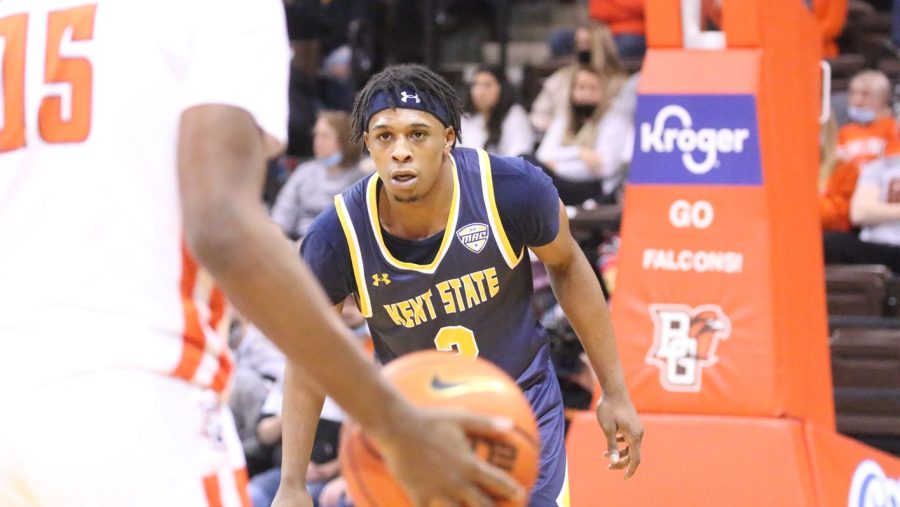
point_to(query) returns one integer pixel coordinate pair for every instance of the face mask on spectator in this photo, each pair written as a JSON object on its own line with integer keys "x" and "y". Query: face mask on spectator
{"x": 583, "y": 111}
{"x": 861, "y": 114}
{"x": 332, "y": 160}
{"x": 584, "y": 56}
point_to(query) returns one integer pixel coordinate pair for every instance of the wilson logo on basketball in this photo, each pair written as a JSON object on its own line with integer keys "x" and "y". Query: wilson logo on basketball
{"x": 473, "y": 236}
{"x": 685, "y": 341}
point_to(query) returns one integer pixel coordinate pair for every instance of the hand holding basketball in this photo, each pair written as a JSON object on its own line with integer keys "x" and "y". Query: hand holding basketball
{"x": 466, "y": 398}
{"x": 451, "y": 472}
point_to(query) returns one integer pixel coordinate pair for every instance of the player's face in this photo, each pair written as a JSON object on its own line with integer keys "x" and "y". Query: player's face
{"x": 408, "y": 147}
{"x": 587, "y": 88}
{"x": 485, "y": 92}
{"x": 325, "y": 139}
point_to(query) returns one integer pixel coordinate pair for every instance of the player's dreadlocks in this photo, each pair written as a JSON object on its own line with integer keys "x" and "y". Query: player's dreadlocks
{"x": 407, "y": 77}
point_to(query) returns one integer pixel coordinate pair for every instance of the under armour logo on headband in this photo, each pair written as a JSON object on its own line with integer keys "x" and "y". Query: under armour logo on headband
{"x": 422, "y": 101}
{"x": 404, "y": 97}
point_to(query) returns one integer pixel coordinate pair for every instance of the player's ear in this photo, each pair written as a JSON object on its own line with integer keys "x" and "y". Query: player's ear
{"x": 449, "y": 138}
{"x": 365, "y": 138}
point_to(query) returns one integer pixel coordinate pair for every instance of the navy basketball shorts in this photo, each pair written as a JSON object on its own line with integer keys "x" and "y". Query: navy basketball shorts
{"x": 551, "y": 489}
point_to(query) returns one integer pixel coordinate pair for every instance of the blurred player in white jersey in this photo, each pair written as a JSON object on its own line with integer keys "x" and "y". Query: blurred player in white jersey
{"x": 133, "y": 134}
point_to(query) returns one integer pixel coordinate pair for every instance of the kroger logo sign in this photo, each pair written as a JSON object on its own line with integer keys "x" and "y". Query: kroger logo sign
{"x": 870, "y": 487}
{"x": 696, "y": 139}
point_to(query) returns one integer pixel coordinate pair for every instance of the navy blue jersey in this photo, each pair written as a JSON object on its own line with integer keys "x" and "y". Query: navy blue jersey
{"x": 467, "y": 289}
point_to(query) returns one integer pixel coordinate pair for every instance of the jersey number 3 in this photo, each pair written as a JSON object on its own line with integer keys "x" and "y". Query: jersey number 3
{"x": 457, "y": 338}
{"x": 64, "y": 115}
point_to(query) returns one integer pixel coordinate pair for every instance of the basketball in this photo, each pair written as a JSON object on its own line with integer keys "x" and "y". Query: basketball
{"x": 441, "y": 379}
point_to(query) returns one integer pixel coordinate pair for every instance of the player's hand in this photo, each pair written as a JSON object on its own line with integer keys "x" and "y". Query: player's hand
{"x": 288, "y": 496}
{"x": 621, "y": 425}
{"x": 431, "y": 456}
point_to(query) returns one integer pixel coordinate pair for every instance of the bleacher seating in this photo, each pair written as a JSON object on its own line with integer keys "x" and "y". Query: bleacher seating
{"x": 866, "y": 376}
{"x": 859, "y": 290}
{"x": 865, "y": 352}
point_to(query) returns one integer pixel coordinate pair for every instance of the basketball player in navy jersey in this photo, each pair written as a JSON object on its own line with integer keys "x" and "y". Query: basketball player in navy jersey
{"x": 434, "y": 249}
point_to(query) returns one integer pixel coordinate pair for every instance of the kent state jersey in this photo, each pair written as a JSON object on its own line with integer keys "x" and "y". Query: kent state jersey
{"x": 475, "y": 295}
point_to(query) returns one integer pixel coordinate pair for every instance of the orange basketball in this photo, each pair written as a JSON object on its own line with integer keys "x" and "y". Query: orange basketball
{"x": 444, "y": 379}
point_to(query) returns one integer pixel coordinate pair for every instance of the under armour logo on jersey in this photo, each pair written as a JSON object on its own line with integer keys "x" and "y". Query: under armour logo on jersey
{"x": 404, "y": 97}
{"x": 382, "y": 278}
{"x": 473, "y": 236}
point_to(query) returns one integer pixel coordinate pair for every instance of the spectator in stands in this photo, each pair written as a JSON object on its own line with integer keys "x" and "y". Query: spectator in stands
{"x": 593, "y": 47}
{"x": 334, "y": 494}
{"x": 268, "y": 433}
{"x": 493, "y": 120}
{"x": 337, "y": 80}
{"x": 871, "y": 128}
{"x": 324, "y": 468}
{"x": 312, "y": 186}
{"x": 246, "y": 402}
{"x": 830, "y": 17}
{"x": 876, "y": 209}
{"x": 253, "y": 351}
{"x": 625, "y": 19}
{"x": 583, "y": 151}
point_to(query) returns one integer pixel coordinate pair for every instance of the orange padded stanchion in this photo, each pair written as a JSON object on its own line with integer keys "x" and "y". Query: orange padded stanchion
{"x": 719, "y": 307}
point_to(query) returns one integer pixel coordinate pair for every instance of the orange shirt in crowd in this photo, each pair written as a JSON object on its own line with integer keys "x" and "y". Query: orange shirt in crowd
{"x": 620, "y": 16}
{"x": 857, "y": 143}
{"x": 830, "y": 17}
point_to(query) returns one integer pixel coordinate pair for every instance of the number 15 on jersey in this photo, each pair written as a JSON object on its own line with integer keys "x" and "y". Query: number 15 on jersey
{"x": 64, "y": 114}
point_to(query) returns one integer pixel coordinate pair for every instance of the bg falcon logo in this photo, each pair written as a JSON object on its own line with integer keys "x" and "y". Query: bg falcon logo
{"x": 685, "y": 340}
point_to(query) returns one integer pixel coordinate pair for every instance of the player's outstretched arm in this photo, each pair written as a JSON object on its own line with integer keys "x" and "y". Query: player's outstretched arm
{"x": 573, "y": 283}
{"x": 221, "y": 163}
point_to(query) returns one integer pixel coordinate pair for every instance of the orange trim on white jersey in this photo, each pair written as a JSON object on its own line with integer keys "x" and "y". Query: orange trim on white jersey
{"x": 218, "y": 306}
{"x": 241, "y": 480}
{"x": 193, "y": 339}
{"x": 213, "y": 492}
{"x": 205, "y": 357}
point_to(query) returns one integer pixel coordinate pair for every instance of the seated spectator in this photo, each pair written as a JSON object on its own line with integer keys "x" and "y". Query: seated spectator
{"x": 246, "y": 401}
{"x": 253, "y": 351}
{"x": 312, "y": 186}
{"x": 584, "y": 150}
{"x": 324, "y": 468}
{"x": 625, "y": 19}
{"x": 871, "y": 128}
{"x": 335, "y": 494}
{"x": 593, "y": 47}
{"x": 876, "y": 209}
{"x": 493, "y": 121}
